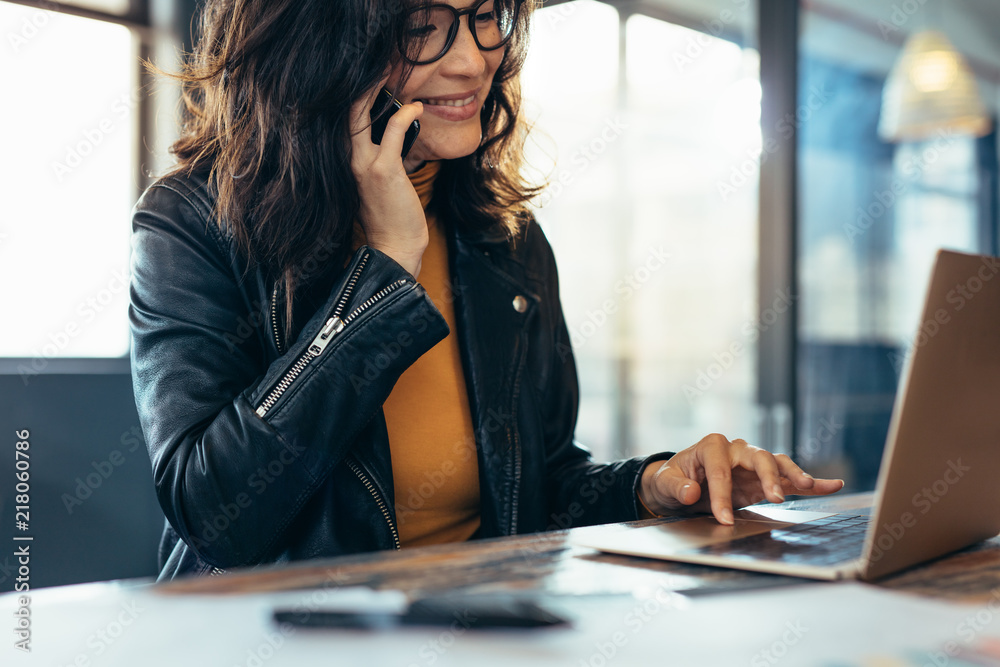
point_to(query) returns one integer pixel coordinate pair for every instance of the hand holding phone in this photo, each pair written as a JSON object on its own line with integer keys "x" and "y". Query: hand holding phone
{"x": 383, "y": 109}
{"x": 389, "y": 210}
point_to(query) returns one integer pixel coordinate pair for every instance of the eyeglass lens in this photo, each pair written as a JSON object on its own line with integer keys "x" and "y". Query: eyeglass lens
{"x": 432, "y": 28}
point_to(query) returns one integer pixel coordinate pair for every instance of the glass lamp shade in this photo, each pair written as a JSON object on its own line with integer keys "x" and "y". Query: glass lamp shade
{"x": 931, "y": 88}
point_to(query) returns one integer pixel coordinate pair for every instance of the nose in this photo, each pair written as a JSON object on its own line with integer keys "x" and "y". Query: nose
{"x": 464, "y": 57}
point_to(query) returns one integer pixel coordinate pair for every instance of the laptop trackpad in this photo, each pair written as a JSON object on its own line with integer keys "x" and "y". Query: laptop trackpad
{"x": 703, "y": 531}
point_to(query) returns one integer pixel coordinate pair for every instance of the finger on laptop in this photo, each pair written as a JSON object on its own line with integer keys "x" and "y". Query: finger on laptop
{"x": 822, "y": 487}
{"x": 764, "y": 464}
{"x": 716, "y": 460}
{"x": 801, "y": 483}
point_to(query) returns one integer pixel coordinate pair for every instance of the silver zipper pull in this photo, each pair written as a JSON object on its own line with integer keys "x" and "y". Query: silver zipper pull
{"x": 333, "y": 326}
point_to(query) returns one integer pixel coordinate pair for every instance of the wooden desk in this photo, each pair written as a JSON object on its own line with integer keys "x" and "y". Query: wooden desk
{"x": 548, "y": 563}
{"x": 623, "y": 611}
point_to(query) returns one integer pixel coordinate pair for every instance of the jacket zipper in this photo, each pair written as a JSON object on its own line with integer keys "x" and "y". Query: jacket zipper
{"x": 333, "y": 326}
{"x": 274, "y": 319}
{"x": 216, "y": 571}
{"x": 517, "y": 446}
{"x": 517, "y": 481}
{"x": 378, "y": 499}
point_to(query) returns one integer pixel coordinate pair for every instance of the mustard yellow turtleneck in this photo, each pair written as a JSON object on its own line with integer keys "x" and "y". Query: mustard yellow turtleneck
{"x": 434, "y": 466}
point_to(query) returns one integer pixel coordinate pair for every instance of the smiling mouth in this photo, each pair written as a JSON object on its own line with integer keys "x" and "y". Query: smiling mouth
{"x": 450, "y": 103}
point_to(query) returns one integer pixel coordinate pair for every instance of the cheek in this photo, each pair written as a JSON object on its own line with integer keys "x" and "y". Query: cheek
{"x": 493, "y": 60}
{"x": 409, "y": 91}
{"x": 395, "y": 74}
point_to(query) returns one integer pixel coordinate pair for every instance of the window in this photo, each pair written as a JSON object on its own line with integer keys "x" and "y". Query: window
{"x": 872, "y": 215}
{"x": 72, "y": 178}
{"x": 652, "y": 150}
{"x": 109, "y": 6}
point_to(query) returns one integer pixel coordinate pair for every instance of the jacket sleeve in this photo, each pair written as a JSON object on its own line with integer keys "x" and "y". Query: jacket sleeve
{"x": 580, "y": 491}
{"x": 230, "y": 474}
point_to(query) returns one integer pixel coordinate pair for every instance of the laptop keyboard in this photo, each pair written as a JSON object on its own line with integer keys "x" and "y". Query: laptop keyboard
{"x": 828, "y": 541}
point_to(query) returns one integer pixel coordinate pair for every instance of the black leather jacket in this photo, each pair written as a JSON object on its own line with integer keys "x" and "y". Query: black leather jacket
{"x": 266, "y": 450}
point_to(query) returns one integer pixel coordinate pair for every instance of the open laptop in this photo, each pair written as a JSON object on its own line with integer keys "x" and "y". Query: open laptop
{"x": 937, "y": 488}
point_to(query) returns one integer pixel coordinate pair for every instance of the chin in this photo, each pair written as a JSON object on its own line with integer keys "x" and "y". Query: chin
{"x": 445, "y": 153}
{"x": 457, "y": 153}
{"x": 452, "y": 147}
{"x": 457, "y": 149}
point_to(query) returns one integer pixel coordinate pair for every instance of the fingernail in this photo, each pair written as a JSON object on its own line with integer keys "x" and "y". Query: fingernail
{"x": 727, "y": 515}
{"x": 777, "y": 491}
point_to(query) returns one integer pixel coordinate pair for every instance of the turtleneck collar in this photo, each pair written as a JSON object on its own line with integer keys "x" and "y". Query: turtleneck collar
{"x": 423, "y": 181}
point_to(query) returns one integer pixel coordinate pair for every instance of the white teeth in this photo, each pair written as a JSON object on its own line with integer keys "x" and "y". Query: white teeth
{"x": 451, "y": 103}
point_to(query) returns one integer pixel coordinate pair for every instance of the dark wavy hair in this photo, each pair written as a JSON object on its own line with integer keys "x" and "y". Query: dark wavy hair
{"x": 266, "y": 96}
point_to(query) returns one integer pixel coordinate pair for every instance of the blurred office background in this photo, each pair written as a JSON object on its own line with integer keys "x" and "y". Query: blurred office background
{"x": 742, "y": 248}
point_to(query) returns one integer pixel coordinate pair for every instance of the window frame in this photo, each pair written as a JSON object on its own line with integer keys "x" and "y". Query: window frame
{"x": 137, "y": 19}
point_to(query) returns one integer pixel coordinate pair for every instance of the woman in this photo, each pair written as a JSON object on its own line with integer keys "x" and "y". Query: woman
{"x": 337, "y": 350}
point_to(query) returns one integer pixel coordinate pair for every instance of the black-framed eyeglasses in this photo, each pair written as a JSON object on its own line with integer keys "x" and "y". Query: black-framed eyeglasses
{"x": 431, "y": 29}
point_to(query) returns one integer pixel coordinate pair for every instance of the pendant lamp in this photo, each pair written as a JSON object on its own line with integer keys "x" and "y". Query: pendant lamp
{"x": 931, "y": 88}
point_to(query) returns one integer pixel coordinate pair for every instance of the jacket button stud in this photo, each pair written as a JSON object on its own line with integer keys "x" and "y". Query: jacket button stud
{"x": 520, "y": 303}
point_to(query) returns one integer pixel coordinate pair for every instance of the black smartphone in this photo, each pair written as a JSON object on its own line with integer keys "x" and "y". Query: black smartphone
{"x": 472, "y": 614}
{"x": 382, "y": 110}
